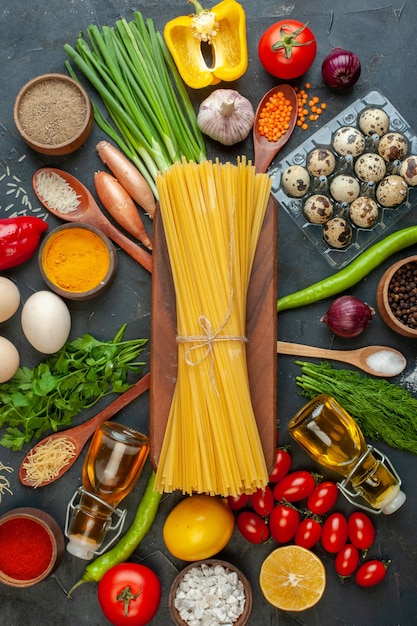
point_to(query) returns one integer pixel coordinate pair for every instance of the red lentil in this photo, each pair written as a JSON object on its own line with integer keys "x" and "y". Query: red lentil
{"x": 25, "y": 549}
{"x": 309, "y": 107}
{"x": 275, "y": 117}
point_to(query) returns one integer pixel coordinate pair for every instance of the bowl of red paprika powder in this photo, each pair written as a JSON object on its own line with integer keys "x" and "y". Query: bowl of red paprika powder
{"x": 31, "y": 546}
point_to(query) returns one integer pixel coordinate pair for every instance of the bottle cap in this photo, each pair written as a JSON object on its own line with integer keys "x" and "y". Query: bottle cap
{"x": 81, "y": 548}
{"x": 394, "y": 504}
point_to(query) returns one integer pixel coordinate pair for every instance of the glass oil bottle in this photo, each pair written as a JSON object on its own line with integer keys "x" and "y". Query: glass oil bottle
{"x": 113, "y": 464}
{"x": 334, "y": 440}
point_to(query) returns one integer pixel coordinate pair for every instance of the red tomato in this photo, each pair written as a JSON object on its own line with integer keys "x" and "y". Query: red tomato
{"x": 308, "y": 533}
{"x": 361, "y": 530}
{"x": 133, "y": 586}
{"x": 280, "y": 52}
{"x": 371, "y": 573}
{"x": 238, "y": 502}
{"x": 282, "y": 465}
{"x": 323, "y": 498}
{"x": 295, "y": 486}
{"x": 283, "y": 523}
{"x": 335, "y": 533}
{"x": 252, "y": 527}
{"x": 347, "y": 560}
{"x": 263, "y": 501}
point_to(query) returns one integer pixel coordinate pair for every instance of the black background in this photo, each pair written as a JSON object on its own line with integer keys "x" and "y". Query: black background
{"x": 383, "y": 35}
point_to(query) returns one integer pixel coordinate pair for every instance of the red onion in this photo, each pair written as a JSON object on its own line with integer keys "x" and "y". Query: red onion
{"x": 348, "y": 316}
{"x": 341, "y": 68}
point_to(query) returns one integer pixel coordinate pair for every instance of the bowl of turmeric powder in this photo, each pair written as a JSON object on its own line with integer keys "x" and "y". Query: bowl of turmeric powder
{"x": 77, "y": 261}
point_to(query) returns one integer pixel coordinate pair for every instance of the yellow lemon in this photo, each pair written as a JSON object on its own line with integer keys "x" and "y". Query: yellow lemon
{"x": 198, "y": 527}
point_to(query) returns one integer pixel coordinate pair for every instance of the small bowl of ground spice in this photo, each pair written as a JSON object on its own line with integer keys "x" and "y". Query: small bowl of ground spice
{"x": 210, "y": 592}
{"x": 53, "y": 114}
{"x": 397, "y": 297}
{"x": 77, "y": 261}
{"x": 31, "y": 546}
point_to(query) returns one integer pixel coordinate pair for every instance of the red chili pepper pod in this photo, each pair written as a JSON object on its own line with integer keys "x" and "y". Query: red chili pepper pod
{"x": 19, "y": 238}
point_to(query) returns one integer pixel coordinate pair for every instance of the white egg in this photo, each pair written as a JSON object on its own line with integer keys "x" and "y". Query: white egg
{"x": 46, "y": 321}
{"x": 9, "y": 360}
{"x": 9, "y": 298}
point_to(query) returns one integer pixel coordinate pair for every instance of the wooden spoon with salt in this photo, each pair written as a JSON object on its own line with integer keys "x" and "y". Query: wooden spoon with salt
{"x": 371, "y": 359}
{"x": 88, "y": 212}
{"x": 79, "y": 435}
{"x": 266, "y": 150}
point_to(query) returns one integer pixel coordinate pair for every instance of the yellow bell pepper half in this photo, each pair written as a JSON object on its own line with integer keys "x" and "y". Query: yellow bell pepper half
{"x": 223, "y": 29}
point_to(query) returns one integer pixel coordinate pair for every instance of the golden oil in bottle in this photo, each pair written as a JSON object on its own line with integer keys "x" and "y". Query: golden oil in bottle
{"x": 332, "y": 438}
{"x": 113, "y": 464}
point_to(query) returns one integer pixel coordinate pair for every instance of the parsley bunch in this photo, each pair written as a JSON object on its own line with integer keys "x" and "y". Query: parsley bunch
{"x": 75, "y": 378}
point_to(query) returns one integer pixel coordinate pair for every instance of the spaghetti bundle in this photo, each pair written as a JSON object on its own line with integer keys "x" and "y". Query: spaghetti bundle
{"x": 212, "y": 215}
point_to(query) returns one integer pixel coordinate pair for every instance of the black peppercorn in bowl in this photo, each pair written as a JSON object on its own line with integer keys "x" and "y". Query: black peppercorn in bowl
{"x": 397, "y": 297}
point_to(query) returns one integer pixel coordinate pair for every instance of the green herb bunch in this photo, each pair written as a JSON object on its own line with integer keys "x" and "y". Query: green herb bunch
{"x": 383, "y": 410}
{"x": 48, "y": 396}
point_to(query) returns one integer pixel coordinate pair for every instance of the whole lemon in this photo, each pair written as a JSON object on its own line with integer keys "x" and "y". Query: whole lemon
{"x": 198, "y": 527}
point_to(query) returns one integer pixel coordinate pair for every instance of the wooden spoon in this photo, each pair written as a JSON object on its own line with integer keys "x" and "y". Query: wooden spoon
{"x": 89, "y": 212}
{"x": 358, "y": 358}
{"x": 266, "y": 150}
{"x": 79, "y": 435}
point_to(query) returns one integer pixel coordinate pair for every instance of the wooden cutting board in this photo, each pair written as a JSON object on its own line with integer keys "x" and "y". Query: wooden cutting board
{"x": 261, "y": 327}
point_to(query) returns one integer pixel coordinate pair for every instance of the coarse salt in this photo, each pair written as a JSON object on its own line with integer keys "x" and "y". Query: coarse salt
{"x": 386, "y": 362}
{"x": 210, "y": 595}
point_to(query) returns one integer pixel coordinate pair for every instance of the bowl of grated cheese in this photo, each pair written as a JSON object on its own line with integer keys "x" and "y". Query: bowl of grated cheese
{"x": 53, "y": 114}
{"x": 211, "y": 591}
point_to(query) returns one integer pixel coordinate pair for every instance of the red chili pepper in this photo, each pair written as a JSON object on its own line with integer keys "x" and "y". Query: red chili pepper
{"x": 19, "y": 238}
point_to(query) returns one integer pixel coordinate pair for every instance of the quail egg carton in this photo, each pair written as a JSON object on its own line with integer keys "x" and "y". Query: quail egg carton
{"x": 362, "y": 238}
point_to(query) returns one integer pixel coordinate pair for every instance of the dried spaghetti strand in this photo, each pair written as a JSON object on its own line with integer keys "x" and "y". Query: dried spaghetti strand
{"x": 212, "y": 215}
{"x": 4, "y": 481}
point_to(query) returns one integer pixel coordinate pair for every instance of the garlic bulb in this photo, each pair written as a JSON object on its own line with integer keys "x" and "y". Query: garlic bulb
{"x": 226, "y": 116}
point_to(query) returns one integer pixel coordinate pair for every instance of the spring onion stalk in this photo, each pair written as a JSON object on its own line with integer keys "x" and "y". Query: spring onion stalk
{"x": 149, "y": 112}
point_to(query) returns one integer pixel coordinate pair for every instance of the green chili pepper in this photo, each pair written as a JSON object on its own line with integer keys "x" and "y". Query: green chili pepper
{"x": 353, "y": 273}
{"x": 125, "y": 547}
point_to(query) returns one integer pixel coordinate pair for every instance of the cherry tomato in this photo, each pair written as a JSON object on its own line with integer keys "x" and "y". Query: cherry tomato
{"x": 361, "y": 530}
{"x": 323, "y": 498}
{"x": 371, "y": 573}
{"x": 132, "y": 586}
{"x": 252, "y": 527}
{"x": 236, "y": 503}
{"x": 263, "y": 501}
{"x": 283, "y": 523}
{"x": 347, "y": 560}
{"x": 335, "y": 533}
{"x": 308, "y": 533}
{"x": 280, "y": 52}
{"x": 295, "y": 486}
{"x": 282, "y": 465}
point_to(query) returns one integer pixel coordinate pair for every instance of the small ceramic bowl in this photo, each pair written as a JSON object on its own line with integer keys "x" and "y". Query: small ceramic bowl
{"x": 211, "y": 563}
{"x": 31, "y": 546}
{"x": 77, "y": 261}
{"x": 385, "y": 296}
{"x": 53, "y": 114}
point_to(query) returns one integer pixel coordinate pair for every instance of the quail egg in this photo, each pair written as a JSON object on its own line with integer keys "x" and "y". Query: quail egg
{"x": 321, "y": 162}
{"x": 370, "y": 167}
{"x": 364, "y": 212}
{"x": 296, "y": 181}
{"x": 391, "y": 191}
{"x": 392, "y": 147}
{"x": 318, "y": 209}
{"x": 348, "y": 140}
{"x": 374, "y": 121}
{"x": 337, "y": 232}
{"x": 408, "y": 170}
{"x": 344, "y": 188}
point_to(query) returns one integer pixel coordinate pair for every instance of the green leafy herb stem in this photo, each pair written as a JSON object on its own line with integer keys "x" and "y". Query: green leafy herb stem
{"x": 383, "y": 410}
{"x": 48, "y": 396}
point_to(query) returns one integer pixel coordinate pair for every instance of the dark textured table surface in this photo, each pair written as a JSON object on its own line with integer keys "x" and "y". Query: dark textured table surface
{"x": 382, "y": 33}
